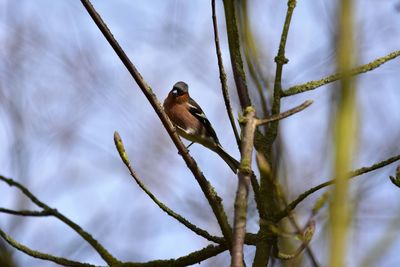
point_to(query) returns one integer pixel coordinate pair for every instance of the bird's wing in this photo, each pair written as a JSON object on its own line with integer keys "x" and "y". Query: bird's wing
{"x": 196, "y": 111}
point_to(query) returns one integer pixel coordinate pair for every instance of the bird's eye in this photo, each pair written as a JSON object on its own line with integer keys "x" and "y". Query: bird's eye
{"x": 176, "y": 91}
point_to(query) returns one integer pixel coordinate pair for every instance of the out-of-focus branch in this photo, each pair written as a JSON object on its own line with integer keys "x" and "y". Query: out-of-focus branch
{"x": 305, "y": 236}
{"x": 252, "y": 55}
{"x": 31, "y": 213}
{"x": 337, "y": 76}
{"x": 244, "y": 175}
{"x": 213, "y": 199}
{"x": 222, "y": 75}
{"x": 235, "y": 53}
{"x": 40, "y": 255}
{"x": 292, "y": 205}
{"x": 345, "y": 122}
{"x": 124, "y": 156}
{"x": 285, "y": 114}
{"x": 107, "y": 257}
{"x": 302, "y": 232}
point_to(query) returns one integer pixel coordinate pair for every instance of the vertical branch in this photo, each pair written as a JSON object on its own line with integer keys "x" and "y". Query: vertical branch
{"x": 236, "y": 57}
{"x": 345, "y": 122}
{"x": 252, "y": 56}
{"x": 245, "y": 172}
{"x": 269, "y": 197}
{"x": 222, "y": 75}
{"x": 280, "y": 60}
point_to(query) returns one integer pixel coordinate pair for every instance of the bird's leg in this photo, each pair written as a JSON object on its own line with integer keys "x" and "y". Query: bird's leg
{"x": 187, "y": 147}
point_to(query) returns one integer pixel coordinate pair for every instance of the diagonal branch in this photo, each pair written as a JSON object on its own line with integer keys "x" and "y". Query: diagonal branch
{"x": 124, "y": 156}
{"x": 107, "y": 257}
{"x": 222, "y": 75}
{"x": 337, "y": 76}
{"x": 40, "y": 255}
{"x": 213, "y": 199}
{"x": 285, "y": 114}
{"x": 351, "y": 175}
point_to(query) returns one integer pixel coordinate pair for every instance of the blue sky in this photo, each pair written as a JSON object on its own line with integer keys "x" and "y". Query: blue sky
{"x": 73, "y": 93}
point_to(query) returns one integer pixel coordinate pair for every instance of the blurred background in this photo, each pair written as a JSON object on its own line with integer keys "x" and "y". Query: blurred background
{"x": 63, "y": 93}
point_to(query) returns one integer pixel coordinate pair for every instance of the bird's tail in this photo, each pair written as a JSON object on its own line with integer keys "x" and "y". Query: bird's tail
{"x": 233, "y": 163}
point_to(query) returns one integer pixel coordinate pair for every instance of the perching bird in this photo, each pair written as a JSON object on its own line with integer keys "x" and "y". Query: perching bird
{"x": 191, "y": 122}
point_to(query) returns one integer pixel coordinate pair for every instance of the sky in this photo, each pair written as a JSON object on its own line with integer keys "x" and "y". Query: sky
{"x": 64, "y": 93}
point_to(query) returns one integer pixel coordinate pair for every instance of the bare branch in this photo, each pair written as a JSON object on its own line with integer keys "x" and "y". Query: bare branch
{"x": 244, "y": 175}
{"x": 190, "y": 259}
{"x": 213, "y": 199}
{"x": 107, "y": 257}
{"x": 222, "y": 75}
{"x": 235, "y": 54}
{"x": 337, "y": 76}
{"x": 263, "y": 249}
{"x": 351, "y": 175}
{"x": 40, "y": 255}
{"x": 124, "y": 156}
{"x": 31, "y": 213}
{"x": 280, "y": 60}
{"x": 285, "y": 114}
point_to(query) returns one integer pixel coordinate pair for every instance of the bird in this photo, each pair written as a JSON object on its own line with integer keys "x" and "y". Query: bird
{"x": 192, "y": 124}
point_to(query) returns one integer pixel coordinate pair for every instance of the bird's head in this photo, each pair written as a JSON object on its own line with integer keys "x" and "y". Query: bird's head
{"x": 179, "y": 89}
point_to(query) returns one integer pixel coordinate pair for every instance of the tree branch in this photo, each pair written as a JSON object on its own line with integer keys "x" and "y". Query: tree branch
{"x": 351, "y": 175}
{"x": 263, "y": 249}
{"x": 31, "y": 213}
{"x": 285, "y": 114}
{"x": 235, "y": 54}
{"x": 244, "y": 175}
{"x": 190, "y": 259}
{"x": 213, "y": 199}
{"x": 222, "y": 76}
{"x": 107, "y": 257}
{"x": 40, "y": 255}
{"x": 280, "y": 60}
{"x": 337, "y": 76}
{"x": 124, "y": 156}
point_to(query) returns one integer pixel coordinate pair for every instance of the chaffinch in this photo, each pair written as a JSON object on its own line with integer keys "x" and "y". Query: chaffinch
{"x": 192, "y": 124}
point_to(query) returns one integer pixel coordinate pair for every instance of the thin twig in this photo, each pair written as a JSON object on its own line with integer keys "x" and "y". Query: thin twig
{"x": 285, "y": 114}
{"x": 41, "y": 255}
{"x": 351, "y": 175}
{"x": 222, "y": 75}
{"x": 280, "y": 60}
{"x": 107, "y": 257}
{"x": 124, "y": 156}
{"x": 31, "y": 213}
{"x": 337, "y": 76}
{"x": 213, "y": 199}
{"x": 190, "y": 259}
{"x": 244, "y": 175}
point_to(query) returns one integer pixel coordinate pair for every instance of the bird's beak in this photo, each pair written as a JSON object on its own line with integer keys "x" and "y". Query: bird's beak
{"x": 174, "y": 92}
